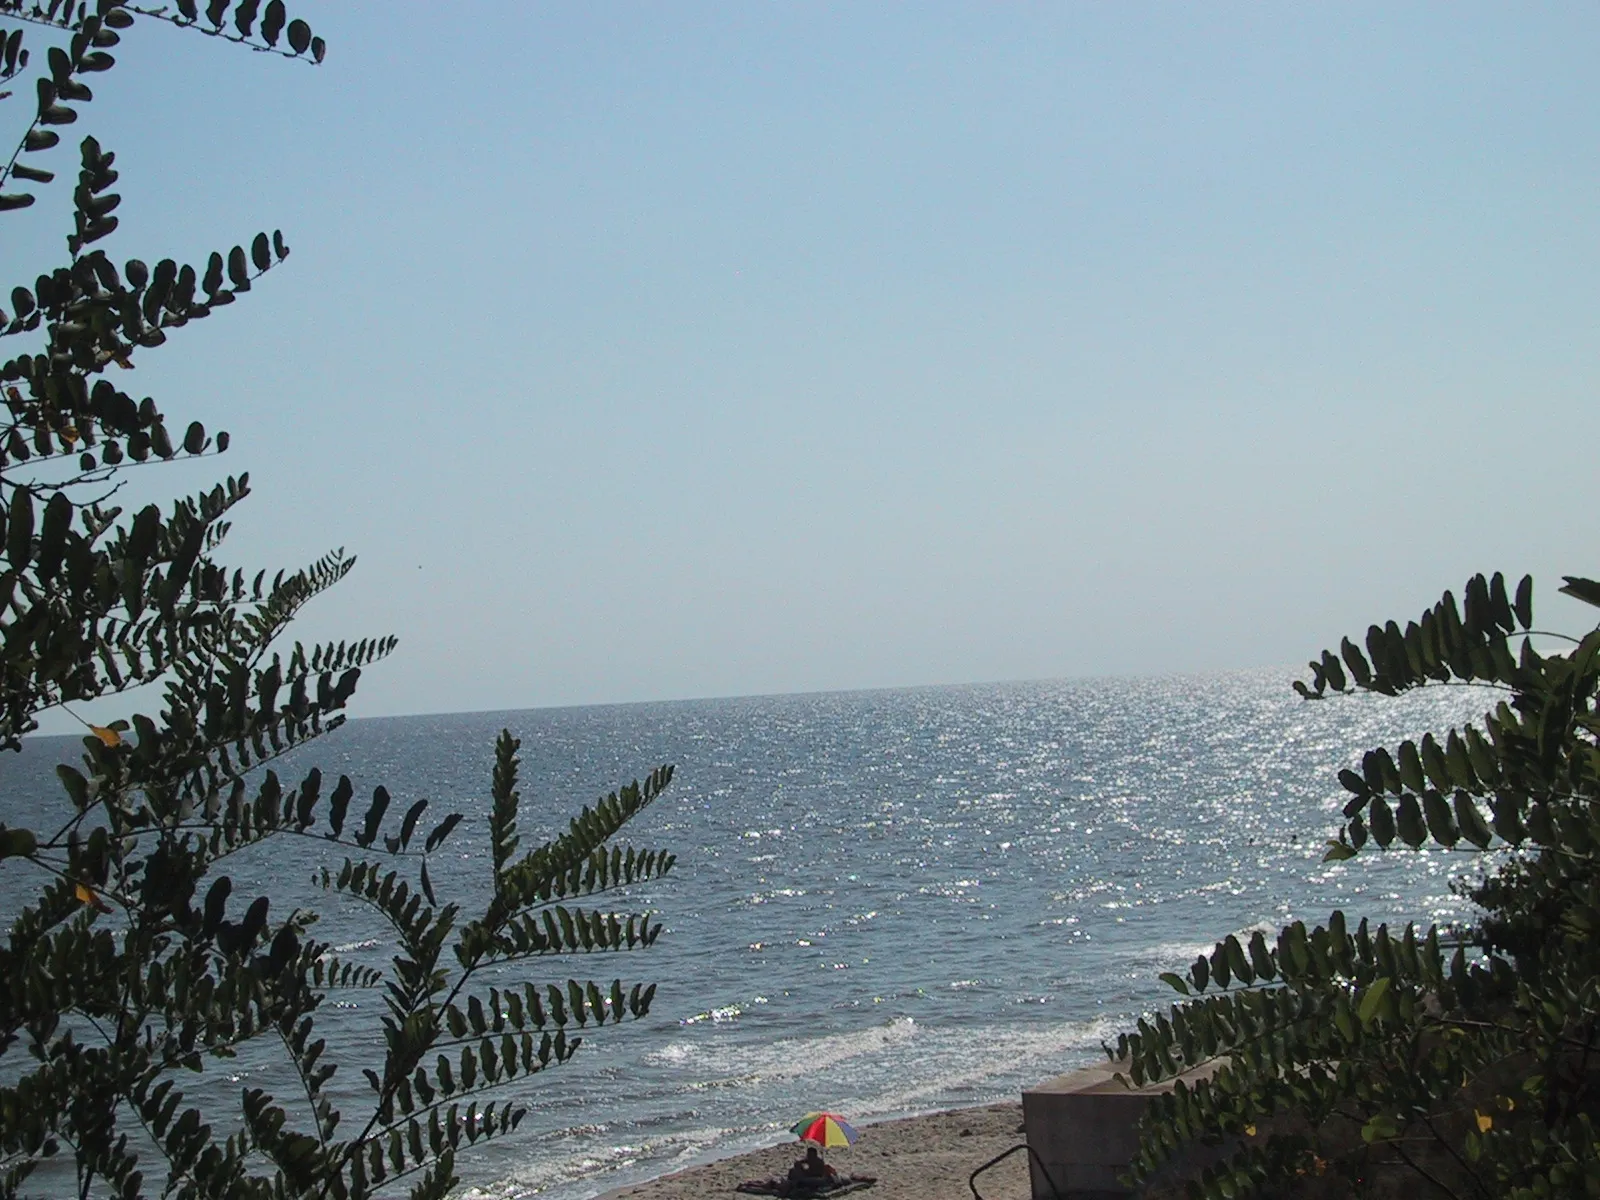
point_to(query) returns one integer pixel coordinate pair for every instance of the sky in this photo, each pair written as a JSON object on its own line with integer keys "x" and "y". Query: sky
{"x": 666, "y": 351}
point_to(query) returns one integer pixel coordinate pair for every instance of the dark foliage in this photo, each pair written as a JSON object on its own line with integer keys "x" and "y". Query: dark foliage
{"x": 1357, "y": 1061}
{"x": 132, "y": 964}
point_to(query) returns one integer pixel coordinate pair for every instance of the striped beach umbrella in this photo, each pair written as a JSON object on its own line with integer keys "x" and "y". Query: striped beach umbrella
{"x": 825, "y": 1129}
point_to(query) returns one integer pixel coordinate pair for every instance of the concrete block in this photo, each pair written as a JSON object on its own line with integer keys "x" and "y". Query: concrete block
{"x": 1083, "y": 1127}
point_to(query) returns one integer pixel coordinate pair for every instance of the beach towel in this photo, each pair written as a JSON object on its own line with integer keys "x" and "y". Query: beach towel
{"x": 775, "y": 1186}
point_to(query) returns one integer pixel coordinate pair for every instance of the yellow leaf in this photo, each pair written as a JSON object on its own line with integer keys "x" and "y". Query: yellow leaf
{"x": 1249, "y": 1131}
{"x": 1506, "y": 1102}
{"x": 1485, "y": 1122}
{"x": 109, "y": 736}
{"x": 86, "y": 895}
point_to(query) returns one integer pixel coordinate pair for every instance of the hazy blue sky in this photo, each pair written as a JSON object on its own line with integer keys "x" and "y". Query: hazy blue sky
{"x": 682, "y": 350}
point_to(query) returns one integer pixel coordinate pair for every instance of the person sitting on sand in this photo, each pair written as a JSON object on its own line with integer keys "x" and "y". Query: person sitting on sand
{"x": 811, "y": 1171}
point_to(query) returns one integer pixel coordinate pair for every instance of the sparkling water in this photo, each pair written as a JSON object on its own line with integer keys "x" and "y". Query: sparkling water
{"x": 885, "y": 902}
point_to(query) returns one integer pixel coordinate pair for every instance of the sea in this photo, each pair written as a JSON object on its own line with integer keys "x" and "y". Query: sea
{"x": 885, "y": 902}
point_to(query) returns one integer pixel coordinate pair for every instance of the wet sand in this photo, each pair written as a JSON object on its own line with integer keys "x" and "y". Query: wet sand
{"x": 917, "y": 1158}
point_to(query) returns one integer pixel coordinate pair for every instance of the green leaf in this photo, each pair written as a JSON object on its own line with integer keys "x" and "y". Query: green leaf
{"x": 440, "y": 832}
{"x": 1500, "y": 603}
{"x": 1586, "y": 590}
{"x": 1412, "y": 776}
{"x": 1523, "y": 604}
{"x": 338, "y": 804}
{"x": 19, "y": 528}
{"x": 53, "y": 535}
{"x": 1409, "y": 821}
{"x": 1260, "y": 957}
{"x": 374, "y": 817}
{"x": 17, "y": 843}
{"x": 1507, "y": 819}
{"x": 1372, "y": 1000}
{"x": 1471, "y": 822}
{"x": 1440, "y": 823}
{"x": 244, "y": 20}
{"x": 1237, "y": 963}
{"x": 408, "y": 824}
{"x": 1333, "y": 672}
{"x": 76, "y": 785}
{"x": 272, "y": 22}
{"x": 1174, "y": 982}
{"x": 212, "y": 280}
{"x": 1435, "y": 764}
{"x": 1356, "y": 661}
{"x": 1338, "y": 851}
{"x": 1381, "y": 820}
{"x": 12, "y": 200}
{"x": 1380, "y": 1128}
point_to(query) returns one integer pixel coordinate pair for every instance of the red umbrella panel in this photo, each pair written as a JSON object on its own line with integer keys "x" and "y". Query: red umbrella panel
{"x": 825, "y": 1129}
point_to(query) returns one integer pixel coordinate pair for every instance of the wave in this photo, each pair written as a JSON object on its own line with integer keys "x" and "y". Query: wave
{"x": 1166, "y": 954}
{"x": 785, "y": 1058}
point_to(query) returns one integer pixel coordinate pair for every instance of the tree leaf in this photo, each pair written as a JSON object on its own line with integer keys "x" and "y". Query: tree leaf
{"x": 440, "y": 832}
{"x": 1372, "y": 999}
{"x": 1523, "y": 604}
{"x": 272, "y": 22}
{"x": 1381, "y": 821}
{"x": 1586, "y": 590}
{"x": 1338, "y": 851}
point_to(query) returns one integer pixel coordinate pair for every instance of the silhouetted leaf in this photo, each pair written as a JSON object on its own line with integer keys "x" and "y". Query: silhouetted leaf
{"x": 272, "y": 22}
{"x": 1586, "y": 590}
{"x": 440, "y": 832}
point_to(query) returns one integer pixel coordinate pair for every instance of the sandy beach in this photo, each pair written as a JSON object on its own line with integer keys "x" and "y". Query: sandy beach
{"x": 916, "y": 1158}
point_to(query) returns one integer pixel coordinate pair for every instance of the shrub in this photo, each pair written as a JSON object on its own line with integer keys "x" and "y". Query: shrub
{"x": 1354, "y": 1060}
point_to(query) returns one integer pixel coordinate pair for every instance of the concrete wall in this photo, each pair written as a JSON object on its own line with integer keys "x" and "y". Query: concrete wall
{"x": 1082, "y": 1126}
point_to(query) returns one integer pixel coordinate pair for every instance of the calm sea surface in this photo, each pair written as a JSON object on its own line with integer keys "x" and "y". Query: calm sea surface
{"x": 885, "y": 903}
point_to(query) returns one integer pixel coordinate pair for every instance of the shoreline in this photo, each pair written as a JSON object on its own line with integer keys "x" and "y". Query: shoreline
{"x": 929, "y": 1157}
